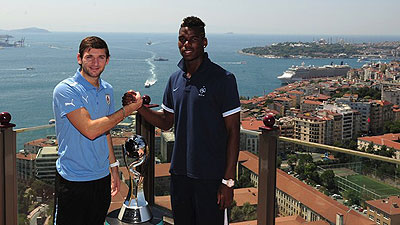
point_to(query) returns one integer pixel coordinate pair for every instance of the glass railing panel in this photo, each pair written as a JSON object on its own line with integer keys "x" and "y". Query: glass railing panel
{"x": 35, "y": 166}
{"x": 326, "y": 183}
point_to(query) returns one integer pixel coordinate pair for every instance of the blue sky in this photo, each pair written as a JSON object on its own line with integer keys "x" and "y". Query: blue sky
{"x": 334, "y": 17}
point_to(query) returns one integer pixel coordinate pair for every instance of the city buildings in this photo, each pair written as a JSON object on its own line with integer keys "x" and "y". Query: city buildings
{"x": 294, "y": 197}
{"x": 384, "y": 211}
{"x": 377, "y": 142}
{"x": 46, "y": 163}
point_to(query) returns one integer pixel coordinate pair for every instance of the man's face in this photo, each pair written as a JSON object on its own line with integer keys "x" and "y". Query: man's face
{"x": 93, "y": 62}
{"x": 191, "y": 43}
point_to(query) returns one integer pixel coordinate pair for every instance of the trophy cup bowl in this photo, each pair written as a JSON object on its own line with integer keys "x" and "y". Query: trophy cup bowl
{"x": 135, "y": 208}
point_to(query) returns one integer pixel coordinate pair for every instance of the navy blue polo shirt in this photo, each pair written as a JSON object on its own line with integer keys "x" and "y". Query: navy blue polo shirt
{"x": 81, "y": 159}
{"x": 199, "y": 105}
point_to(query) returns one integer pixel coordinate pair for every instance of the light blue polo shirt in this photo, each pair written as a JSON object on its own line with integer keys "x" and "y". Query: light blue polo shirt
{"x": 81, "y": 159}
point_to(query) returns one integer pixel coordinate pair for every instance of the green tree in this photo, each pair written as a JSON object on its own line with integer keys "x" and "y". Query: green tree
{"x": 278, "y": 162}
{"x": 328, "y": 180}
{"x": 292, "y": 161}
{"x": 244, "y": 180}
{"x": 353, "y": 197}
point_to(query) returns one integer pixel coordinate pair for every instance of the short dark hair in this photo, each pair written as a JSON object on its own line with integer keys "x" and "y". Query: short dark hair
{"x": 194, "y": 22}
{"x": 93, "y": 42}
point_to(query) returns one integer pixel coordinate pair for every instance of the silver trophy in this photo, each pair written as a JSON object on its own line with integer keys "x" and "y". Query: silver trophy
{"x": 135, "y": 208}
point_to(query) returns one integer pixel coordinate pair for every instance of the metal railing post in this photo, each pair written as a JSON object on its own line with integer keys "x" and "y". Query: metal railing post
{"x": 147, "y": 130}
{"x": 267, "y": 172}
{"x": 8, "y": 171}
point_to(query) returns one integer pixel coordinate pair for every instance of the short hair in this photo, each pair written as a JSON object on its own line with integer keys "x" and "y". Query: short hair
{"x": 194, "y": 22}
{"x": 93, "y": 42}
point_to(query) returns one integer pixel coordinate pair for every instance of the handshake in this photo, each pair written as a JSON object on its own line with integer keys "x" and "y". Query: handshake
{"x": 132, "y": 101}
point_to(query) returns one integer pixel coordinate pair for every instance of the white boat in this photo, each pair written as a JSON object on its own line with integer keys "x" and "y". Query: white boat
{"x": 298, "y": 73}
{"x": 149, "y": 83}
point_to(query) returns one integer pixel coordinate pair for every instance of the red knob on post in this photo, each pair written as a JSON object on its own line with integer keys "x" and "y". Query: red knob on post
{"x": 5, "y": 119}
{"x": 146, "y": 99}
{"x": 269, "y": 121}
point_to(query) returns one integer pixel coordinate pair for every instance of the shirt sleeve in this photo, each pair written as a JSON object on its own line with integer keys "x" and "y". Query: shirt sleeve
{"x": 168, "y": 103}
{"x": 66, "y": 99}
{"x": 231, "y": 102}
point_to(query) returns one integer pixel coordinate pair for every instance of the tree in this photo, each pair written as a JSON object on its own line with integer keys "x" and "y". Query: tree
{"x": 292, "y": 160}
{"x": 243, "y": 213}
{"x": 278, "y": 162}
{"x": 328, "y": 180}
{"x": 244, "y": 180}
{"x": 353, "y": 197}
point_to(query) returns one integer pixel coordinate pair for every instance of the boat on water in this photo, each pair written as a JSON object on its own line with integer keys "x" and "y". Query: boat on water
{"x": 149, "y": 43}
{"x": 149, "y": 83}
{"x": 160, "y": 59}
{"x": 30, "y": 68}
{"x": 52, "y": 121}
{"x": 298, "y": 73}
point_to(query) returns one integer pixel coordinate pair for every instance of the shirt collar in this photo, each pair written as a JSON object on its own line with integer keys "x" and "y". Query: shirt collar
{"x": 204, "y": 65}
{"x": 80, "y": 79}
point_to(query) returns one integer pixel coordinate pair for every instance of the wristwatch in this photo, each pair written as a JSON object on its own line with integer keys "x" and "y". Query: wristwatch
{"x": 229, "y": 182}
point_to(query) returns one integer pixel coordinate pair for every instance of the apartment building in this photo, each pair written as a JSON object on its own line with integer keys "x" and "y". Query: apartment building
{"x": 250, "y": 139}
{"x": 46, "y": 163}
{"x": 381, "y": 111}
{"x": 333, "y": 128}
{"x": 364, "y": 107}
{"x": 118, "y": 145}
{"x": 35, "y": 145}
{"x": 167, "y": 140}
{"x": 25, "y": 165}
{"x": 348, "y": 118}
{"x": 391, "y": 94}
{"x": 384, "y": 211}
{"x": 389, "y": 140}
{"x": 309, "y": 128}
{"x": 286, "y": 128}
{"x": 309, "y": 105}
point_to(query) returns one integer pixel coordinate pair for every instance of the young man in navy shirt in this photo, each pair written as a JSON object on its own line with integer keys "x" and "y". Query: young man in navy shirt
{"x": 84, "y": 111}
{"x": 201, "y": 100}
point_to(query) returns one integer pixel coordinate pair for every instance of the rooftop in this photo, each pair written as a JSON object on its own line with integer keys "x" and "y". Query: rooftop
{"x": 390, "y": 205}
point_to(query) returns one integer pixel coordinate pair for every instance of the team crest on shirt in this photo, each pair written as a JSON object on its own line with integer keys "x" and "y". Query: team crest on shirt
{"x": 108, "y": 99}
{"x": 202, "y": 91}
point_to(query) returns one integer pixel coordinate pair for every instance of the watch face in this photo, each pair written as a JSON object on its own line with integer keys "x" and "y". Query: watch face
{"x": 229, "y": 183}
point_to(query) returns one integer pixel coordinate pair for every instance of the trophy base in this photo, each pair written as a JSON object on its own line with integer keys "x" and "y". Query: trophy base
{"x": 157, "y": 212}
{"x": 135, "y": 214}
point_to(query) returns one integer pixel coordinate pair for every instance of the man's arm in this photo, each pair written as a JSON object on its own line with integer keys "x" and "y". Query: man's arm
{"x": 115, "y": 181}
{"x": 163, "y": 120}
{"x": 232, "y": 124}
{"x": 82, "y": 121}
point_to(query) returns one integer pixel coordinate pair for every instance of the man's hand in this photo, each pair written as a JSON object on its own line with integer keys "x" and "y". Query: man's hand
{"x": 224, "y": 196}
{"x": 115, "y": 181}
{"x": 132, "y": 101}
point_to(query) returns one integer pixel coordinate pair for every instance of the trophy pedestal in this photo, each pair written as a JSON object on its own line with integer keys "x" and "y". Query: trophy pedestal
{"x": 135, "y": 214}
{"x": 112, "y": 217}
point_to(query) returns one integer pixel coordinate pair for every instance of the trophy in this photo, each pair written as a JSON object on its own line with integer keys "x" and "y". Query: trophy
{"x": 135, "y": 208}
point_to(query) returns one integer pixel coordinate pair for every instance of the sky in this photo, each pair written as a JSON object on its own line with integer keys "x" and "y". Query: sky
{"x": 298, "y": 17}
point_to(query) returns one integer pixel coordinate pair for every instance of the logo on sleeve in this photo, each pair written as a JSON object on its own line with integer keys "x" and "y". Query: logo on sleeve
{"x": 70, "y": 103}
{"x": 202, "y": 91}
{"x": 86, "y": 99}
{"x": 108, "y": 99}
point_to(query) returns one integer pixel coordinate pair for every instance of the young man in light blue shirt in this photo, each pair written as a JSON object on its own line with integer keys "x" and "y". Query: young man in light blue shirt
{"x": 84, "y": 111}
